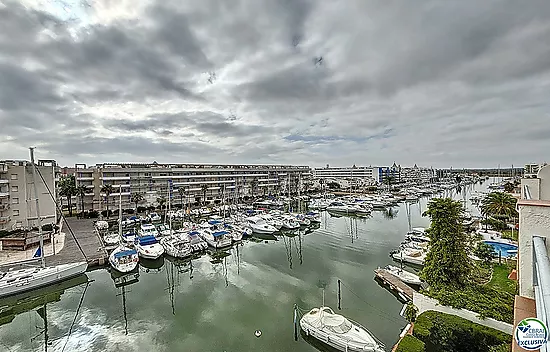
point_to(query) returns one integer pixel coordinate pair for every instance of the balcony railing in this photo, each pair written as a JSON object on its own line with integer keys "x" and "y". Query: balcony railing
{"x": 541, "y": 281}
{"x": 4, "y": 219}
{"x": 4, "y": 206}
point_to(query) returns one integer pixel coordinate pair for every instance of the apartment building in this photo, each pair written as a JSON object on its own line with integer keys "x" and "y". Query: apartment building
{"x": 17, "y": 199}
{"x": 155, "y": 180}
{"x": 348, "y": 173}
{"x": 531, "y": 170}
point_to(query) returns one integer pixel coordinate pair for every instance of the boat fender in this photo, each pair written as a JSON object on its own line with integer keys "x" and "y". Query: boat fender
{"x": 307, "y": 332}
{"x": 258, "y": 333}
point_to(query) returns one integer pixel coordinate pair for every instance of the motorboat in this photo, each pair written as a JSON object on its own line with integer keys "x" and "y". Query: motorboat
{"x": 339, "y": 207}
{"x": 410, "y": 255}
{"x": 129, "y": 238}
{"x": 111, "y": 239}
{"x": 148, "y": 230}
{"x": 148, "y": 247}
{"x": 216, "y": 239}
{"x": 405, "y": 276}
{"x": 338, "y": 332}
{"x": 124, "y": 259}
{"x": 302, "y": 220}
{"x": 259, "y": 225}
{"x": 176, "y": 246}
{"x": 154, "y": 217}
{"x": 196, "y": 241}
{"x": 289, "y": 222}
{"x": 273, "y": 221}
{"x": 16, "y": 281}
{"x": 313, "y": 217}
{"x": 163, "y": 230}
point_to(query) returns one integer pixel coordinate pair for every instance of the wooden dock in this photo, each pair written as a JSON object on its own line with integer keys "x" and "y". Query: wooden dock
{"x": 395, "y": 284}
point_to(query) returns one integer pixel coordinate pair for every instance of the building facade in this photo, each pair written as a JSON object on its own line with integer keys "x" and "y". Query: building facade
{"x": 348, "y": 173}
{"x": 17, "y": 199}
{"x": 194, "y": 180}
{"x": 531, "y": 170}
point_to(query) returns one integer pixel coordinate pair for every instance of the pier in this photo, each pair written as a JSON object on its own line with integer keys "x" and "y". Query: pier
{"x": 396, "y": 285}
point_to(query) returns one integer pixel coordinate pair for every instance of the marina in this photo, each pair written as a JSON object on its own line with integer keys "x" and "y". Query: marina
{"x": 266, "y": 273}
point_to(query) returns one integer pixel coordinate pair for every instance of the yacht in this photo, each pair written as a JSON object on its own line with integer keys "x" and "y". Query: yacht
{"x": 196, "y": 242}
{"x": 338, "y": 332}
{"x": 129, "y": 238}
{"x": 313, "y": 217}
{"x": 148, "y": 230}
{"x": 302, "y": 220}
{"x": 111, "y": 239}
{"x": 124, "y": 259}
{"x": 289, "y": 222}
{"x": 259, "y": 225}
{"x": 216, "y": 239}
{"x": 273, "y": 221}
{"x": 405, "y": 276}
{"x": 410, "y": 255}
{"x": 176, "y": 246}
{"x": 148, "y": 247}
{"x": 339, "y": 207}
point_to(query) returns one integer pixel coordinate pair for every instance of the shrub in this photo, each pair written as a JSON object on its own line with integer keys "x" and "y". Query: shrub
{"x": 445, "y": 332}
{"x": 410, "y": 344}
{"x": 496, "y": 224}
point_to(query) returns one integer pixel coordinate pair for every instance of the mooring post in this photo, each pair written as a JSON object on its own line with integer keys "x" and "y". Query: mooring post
{"x": 339, "y": 295}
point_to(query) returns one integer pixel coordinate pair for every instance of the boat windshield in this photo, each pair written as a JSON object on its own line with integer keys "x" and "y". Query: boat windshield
{"x": 336, "y": 324}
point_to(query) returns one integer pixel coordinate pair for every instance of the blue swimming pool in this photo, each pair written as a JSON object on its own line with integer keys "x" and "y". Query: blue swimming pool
{"x": 506, "y": 249}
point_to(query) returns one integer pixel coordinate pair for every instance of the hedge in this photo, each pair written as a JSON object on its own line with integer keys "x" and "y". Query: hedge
{"x": 442, "y": 332}
{"x": 410, "y": 344}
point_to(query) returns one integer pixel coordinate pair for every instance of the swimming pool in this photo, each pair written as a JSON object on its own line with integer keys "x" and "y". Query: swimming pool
{"x": 506, "y": 249}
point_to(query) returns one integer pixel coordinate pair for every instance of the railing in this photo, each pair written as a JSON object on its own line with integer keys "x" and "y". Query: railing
{"x": 541, "y": 281}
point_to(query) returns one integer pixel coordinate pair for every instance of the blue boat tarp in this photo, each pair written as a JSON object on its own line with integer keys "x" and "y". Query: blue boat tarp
{"x": 214, "y": 222}
{"x": 194, "y": 233}
{"x": 147, "y": 240}
{"x": 311, "y": 213}
{"x": 219, "y": 233}
{"x": 129, "y": 234}
{"x": 127, "y": 253}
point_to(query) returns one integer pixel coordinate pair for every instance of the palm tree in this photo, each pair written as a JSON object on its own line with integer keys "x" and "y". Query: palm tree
{"x": 181, "y": 192}
{"x": 81, "y": 192}
{"x": 204, "y": 189}
{"x": 136, "y": 198}
{"x": 499, "y": 205}
{"x": 108, "y": 190}
{"x": 253, "y": 185}
{"x": 67, "y": 188}
{"x": 161, "y": 201}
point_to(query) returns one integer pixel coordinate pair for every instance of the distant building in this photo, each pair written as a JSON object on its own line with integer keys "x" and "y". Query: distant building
{"x": 347, "y": 173}
{"x": 154, "y": 180}
{"x": 17, "y": 199}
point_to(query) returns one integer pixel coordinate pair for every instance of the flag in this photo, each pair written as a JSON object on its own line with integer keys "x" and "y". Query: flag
{"x": 38, "y": 253}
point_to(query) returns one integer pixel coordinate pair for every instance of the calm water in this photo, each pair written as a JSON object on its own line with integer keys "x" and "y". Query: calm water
{"x": 216, "y": 305}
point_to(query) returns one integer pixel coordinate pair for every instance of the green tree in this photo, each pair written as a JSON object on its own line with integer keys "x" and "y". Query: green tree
{"x": 161, "y": 201}
{"x": 67, "y": 188}
{"x": 509, "y": 187}
{"x": 499, "y": 205}
{"x": 411, "y": 312}
{"x": 204, "y": 189}
{"x": 136, "y": 198}
{"x": 81, "y": 192}
{"x": 484, "y": 252}
{"x": 181, "y": 192}
{"x": 107, "y": 190}
{"x": 447, "y": 262}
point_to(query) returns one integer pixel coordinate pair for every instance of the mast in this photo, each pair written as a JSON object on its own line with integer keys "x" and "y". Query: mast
{"x": 42, "y": 262}
{"x": 120, "y": 211}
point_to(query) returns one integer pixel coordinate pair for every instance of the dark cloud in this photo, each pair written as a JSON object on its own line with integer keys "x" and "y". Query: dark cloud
{"x": 425, "y": 82}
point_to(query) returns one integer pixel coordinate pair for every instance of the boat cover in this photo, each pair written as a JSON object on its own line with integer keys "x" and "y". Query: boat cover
{"x": 125, "y": 253}
{"x": 219, "y": 233}
{"x": 147, "y": 240}
{"x": 193, "y": 233}
{"x": 214, "y": 222}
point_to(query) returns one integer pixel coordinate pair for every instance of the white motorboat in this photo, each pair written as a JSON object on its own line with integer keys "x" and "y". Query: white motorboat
{"x": 196, "y": 242}
{"x": 405, "y": 276}
{"x": 148, "y": 230}
{"x": 124, "y": 259}
{"x": 273, "y": 221}
{"x": 176, "y": 246}
{"x": 163, "y": 230}
{"x": 154, "y": 217}
{"x": 290, "y": 222}
{"x": 102, "y": 225}
{"x": 409, "y": 255}
{"x": 129, "y": 238}
{"x": 216, "y": 239}
{"x": 313, "y": 217}
{"x": 111, "y": 239}
{"x": 338, "y": 332}
{"x": 148, "y": 247}
{"x": 302, "y": 220}
{"x": 339, "y": 207}
{"x": 260, "y": 226}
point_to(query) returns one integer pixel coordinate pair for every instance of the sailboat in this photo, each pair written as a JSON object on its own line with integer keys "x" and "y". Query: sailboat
{"x": 16, "y": 281}
{"x": 123, "y": 259}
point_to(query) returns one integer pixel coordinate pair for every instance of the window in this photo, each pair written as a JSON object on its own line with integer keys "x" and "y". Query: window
{"x": 14, "y": 176}
{"x": 15, "y": 212}
{"x": 15, "y": 188}
{"x": 15, "y": 201}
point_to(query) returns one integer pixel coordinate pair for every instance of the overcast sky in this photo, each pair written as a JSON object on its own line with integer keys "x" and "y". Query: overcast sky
{"x": 437, "y": 83}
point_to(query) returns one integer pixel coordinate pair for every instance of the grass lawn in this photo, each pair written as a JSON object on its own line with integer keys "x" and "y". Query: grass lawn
{"x": 500, "y": 281}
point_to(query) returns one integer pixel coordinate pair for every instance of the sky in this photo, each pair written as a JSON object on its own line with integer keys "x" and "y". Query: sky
{"x": 310, "y": 82}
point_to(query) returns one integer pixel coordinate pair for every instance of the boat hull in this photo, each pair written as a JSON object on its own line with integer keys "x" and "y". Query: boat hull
{"x": 336, "y": 343}
{"x": 61, "y": 273}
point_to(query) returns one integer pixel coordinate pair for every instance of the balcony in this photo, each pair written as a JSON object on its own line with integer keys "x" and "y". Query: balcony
{"x": 4, "y": 220}
{"x": 4, "y": 206}
{"x": 85, "y": 178}
{"x": 4, "y": 195}
{"x": 115, "y": 178}
{"x": 3, "y": 167}
{"x": 3, "y": 181}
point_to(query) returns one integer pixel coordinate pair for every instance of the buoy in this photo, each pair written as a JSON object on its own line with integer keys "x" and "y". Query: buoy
{"x": 257, "y": 333}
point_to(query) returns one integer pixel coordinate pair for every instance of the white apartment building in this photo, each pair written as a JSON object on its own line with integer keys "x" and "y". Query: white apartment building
{"x": 354, "y": 172}
{"x": 531, "y": 170}
{"x": 154, "y": 180}
{"x": 17, "y": 199}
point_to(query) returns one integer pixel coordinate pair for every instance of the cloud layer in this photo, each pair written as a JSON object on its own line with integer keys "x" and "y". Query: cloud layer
{"x": 460, "y": 84}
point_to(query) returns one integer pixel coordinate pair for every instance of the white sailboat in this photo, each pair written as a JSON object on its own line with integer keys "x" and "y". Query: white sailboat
{"x": 123, "y": 258}
{"x": 16, "y": 281}
{"x": 405, "y": 276}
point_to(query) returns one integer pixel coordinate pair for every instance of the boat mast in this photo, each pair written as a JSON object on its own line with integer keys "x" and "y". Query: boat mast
{"x": 120, "y": 211}
{"x": 42, "y": 261}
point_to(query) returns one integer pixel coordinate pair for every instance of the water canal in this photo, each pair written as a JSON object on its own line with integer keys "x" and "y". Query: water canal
{"x": 217, "y": 304}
